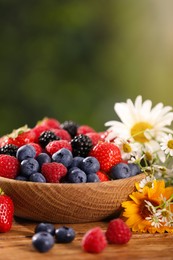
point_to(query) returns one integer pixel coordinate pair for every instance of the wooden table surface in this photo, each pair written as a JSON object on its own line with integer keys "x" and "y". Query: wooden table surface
{"x": 16, "y": 244}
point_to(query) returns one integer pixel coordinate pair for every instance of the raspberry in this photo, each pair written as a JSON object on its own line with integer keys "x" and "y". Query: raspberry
{"x": 9, "y": 166}
{"x": 56, "y": 145}
{"x": 108, "y": 155}
{"x": 84, "y": 129}
{"x": 53, "y": 171}
{"x": 95, "y": 137}
{"x": 37, "y": 147}
{"x": 118, "y": 232}
{"x": 50, "y": 122}
{"x": 62, "y": 134}
{"x": 94, "y": 241}
{"x": 102, "y": 176}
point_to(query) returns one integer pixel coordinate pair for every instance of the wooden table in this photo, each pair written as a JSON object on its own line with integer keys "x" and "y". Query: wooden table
{"x": 16, "y": 244}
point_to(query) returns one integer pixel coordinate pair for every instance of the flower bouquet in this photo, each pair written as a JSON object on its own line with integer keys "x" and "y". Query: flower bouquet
{"x": 144, "y": 136}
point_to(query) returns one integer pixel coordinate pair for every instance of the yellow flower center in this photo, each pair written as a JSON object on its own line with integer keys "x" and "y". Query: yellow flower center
{"x": 170, "y": 144}
{"x": 137, "y": 131}
{"x": 127, "y": 148}
{"x": 148, "y": 156}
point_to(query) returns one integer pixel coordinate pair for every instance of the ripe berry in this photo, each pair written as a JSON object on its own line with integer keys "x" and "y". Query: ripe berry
{"x": 71, "y": 127}
{"x": 89, "y": 165}
{"x": 92, "y": 177}
{"x": 108, "y": 155}
{"x": 43, "y": 241}
{"x": 94, "y": 240}
{"x": 47, "y": 227}
{"x": 135, "y": 169}
{"x": 81, "y": 145}
{"x": 120, "y": 171}
{"x": 62, "y": 134}
{"x": 25, "y": 152}
{"x": 84, "y": 129}
{"x": 63, "y": 156}
{"x": 53, "y": 171}
{"x": 76, "y": 176}
{"x": 9, "y": 166}
{"x": 46, "y": 137}
{"x": 37, "y": 177}
{"x": 102, "y": 176}
{"x": 64, "y": 234}
{"x": 56, "y": 145}
{"x": 29, "y": 166}
{"x": 118, "y": 232}
{"x": 43, "y": 158}
{"x": 9, "y": 149}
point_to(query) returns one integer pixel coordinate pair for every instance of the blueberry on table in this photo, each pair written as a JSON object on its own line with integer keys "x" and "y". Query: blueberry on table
{"x": 46, "y": 227}
{"x": 76, "y": 161}
{"x": 120, "y": 171}
{"x": 64, "y": 234}
{"x": 43, "y": 241}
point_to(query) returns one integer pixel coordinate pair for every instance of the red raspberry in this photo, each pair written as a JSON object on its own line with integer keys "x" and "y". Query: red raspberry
{"x": 108, "y": 155}
{"x": 9, "y": 166}
{"x": 53, "y": 171}
{"x": 94, "y": 241}
{"x": 83, "y": 129}
{"x": 102, "y": 176}
{"x": 62, "y": 133}
{"x": 118, "y": 232}
{"x": 95, "y": 137}
{"x": 38, "y": 129}
{"x": 50, "y": 122}
{"x": 56, "y": 145}
{"x": 37, "y": 147}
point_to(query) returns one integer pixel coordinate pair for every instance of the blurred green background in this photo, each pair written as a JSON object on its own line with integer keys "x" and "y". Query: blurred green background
{"x": 73, "y": 60}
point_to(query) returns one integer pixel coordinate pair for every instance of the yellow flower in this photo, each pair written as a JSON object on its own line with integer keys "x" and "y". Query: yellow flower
{"x": 150, "y": 209}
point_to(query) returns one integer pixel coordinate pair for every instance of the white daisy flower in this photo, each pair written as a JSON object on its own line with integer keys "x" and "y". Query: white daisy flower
{"x": 147, "y": 181}
{"x": 127, "y": 148}
{"x": 167, "y": 144}
{"x": 140, "y": 122}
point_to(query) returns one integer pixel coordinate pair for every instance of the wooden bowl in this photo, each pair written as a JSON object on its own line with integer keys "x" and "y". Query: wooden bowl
{"x": 68, "y": 203}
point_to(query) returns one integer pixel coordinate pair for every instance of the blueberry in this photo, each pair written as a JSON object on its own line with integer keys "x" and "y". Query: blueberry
{"x": 120, "y": 171}
{"x": 89, "y": 165}
{"x": 135, "y": 169}
{"x": 63, "y": 156}
{"x": 76, "y": 161}
{"x": 37, "y": 177}
{"x": 64, "y": 234}
{"x": 43, "y": 241}
{"x": 29, "y": 166}
{"x": 76, "y": 176}
{"x": 25, "y": 152}
{"x": 43, "y": 158}
{"x": 46, "y": 227}
{"x": 21, "y": 178}
{"x": 92, "y": 177}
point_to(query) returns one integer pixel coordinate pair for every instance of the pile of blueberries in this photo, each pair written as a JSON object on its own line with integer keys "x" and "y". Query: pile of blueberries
{"x": 79, "y": 169}
{"x": 46, "y": 235}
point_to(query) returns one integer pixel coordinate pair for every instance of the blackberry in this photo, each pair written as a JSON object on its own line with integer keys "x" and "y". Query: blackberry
{"x": 81, "y": 145}
{"x": 46, "y": 137}
{"x": 9, "y": 149}
{"x": 71, "y": 127}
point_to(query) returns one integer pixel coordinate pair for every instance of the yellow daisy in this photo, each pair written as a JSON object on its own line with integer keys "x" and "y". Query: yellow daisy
{"x": 150, "y": 210}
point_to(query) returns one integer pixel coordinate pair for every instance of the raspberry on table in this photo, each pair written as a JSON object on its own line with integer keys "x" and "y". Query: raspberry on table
{"x": 118, "y": 232}
{"x": 94, "y": 240}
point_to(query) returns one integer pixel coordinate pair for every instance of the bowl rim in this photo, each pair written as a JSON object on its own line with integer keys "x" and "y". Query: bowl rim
{"x": 84, "y": 184}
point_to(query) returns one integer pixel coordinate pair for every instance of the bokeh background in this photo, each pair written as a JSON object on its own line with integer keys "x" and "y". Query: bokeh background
{"x": 72, "y": 60}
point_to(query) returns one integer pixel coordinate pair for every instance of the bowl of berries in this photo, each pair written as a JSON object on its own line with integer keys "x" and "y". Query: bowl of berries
{"x": 64, "y": 173}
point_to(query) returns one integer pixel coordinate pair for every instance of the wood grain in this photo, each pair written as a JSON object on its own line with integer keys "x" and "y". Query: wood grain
{"x": 68, "y": 203}
{"x": 16, "y": 244}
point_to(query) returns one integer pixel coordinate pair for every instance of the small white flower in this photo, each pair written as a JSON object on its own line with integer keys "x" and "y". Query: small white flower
{"x": 150, "y": 207}
{"x": 155, "y": 220}
{"x": 167, "y": 144}
{"x": 147, "y": 181}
